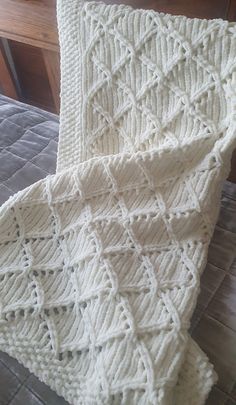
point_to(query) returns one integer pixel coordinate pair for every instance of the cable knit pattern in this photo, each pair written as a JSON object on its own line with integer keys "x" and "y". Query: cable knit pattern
{"x": 100, "y": 263}
{"x": 135, "y": 79}
{"x": 100, "y": 270}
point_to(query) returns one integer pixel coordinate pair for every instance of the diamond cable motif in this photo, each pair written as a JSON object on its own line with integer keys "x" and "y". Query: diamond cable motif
{"x": 100, "y": 264}
{"x": 187, "y": 46}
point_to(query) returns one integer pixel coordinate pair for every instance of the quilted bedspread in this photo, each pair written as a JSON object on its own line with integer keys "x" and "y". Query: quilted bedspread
{"x": 28, "y": 145}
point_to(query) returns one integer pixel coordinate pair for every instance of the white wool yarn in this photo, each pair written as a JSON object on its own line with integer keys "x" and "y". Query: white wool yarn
{"x": 141, "y": 79}
{"x": 100, "y": 269}
{"x": 100, "y": 263}
{"x": 137, "y": 79}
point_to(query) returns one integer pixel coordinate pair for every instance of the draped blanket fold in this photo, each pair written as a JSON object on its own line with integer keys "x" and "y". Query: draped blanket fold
{"x": 100, "y": 263}
{"x": 100, "y": 270}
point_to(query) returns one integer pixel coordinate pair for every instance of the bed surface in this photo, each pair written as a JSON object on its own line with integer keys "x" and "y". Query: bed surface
{"x": 28, "y": 150}
{"x": 28, "y": 145}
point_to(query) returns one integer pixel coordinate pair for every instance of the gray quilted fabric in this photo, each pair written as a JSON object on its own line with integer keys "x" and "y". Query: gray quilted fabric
{"x": 28, "y": 145}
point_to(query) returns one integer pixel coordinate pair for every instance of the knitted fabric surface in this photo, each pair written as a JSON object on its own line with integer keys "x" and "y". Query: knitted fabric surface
{"x": 100, "y": 272}
{"x": 141, "y": 79}
{"x": 135, "y": 79}
{"x": 100, "y": 263}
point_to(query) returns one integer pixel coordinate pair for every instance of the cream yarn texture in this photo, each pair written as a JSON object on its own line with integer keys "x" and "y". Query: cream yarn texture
{"x": 135, "y": 79}
{"x": 100, "y": 270}
{"x": 100, "y": 263}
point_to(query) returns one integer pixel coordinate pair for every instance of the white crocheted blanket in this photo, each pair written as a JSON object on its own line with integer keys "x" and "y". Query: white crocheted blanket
{"x": 100, "y": 263}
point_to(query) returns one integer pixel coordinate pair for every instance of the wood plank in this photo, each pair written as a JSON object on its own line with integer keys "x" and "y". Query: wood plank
{"x": 52, "y": 63}
{"x": 231, "y": 16}
{"x": 200, "y": 8}
{"x": 32, "y": 75}
{"x": 32, "y": 22}
{"x": 7, "y": 86}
